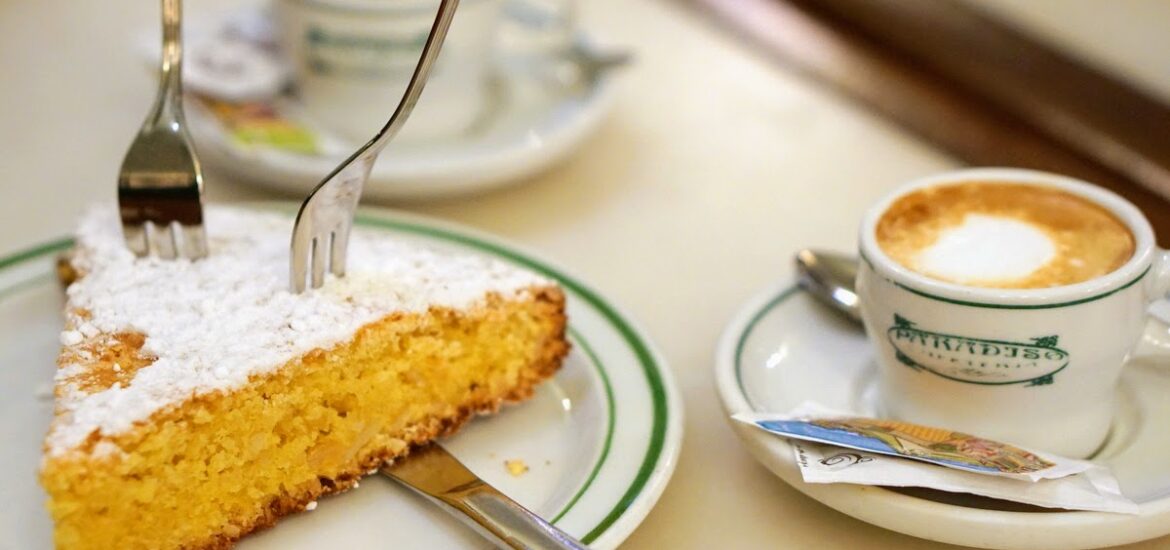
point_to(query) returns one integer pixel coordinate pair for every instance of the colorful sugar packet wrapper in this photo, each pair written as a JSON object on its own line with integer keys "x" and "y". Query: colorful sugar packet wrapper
{"x": 260, "y": 124}
{"x": 939, "y": 446}
{"x": 894, "y": 453}
{"x": 1092, "y": 490}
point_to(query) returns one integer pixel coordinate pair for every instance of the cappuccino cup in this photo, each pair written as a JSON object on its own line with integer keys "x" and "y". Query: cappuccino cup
{"x": 1004, "y": 303}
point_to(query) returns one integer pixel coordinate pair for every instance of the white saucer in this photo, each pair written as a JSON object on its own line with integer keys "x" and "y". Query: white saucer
{"x": 531, "y": 124}
{"x": 783, "y": 348}
{"x": 600, "y": 440}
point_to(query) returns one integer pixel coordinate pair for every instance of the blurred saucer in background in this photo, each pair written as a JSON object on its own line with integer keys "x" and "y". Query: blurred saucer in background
{"x": 249, "y": 124}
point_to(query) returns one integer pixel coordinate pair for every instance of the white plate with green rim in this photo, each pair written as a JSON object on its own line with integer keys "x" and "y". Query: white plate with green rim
{"x": 593, "y": 476}
{"x": 784, "y": 348}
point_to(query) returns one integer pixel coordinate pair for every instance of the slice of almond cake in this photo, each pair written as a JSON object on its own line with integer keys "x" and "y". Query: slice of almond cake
{"x": 198, "y": 401}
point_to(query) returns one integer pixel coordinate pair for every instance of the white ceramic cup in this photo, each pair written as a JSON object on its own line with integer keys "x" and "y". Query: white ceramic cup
{"x": 352, "y": 61}
{"x": 1034, "y": 367}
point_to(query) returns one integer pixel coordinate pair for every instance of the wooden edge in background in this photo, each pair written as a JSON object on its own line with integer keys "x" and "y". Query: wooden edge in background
{"x": 1097, "y": 115}
{"x": 970, "y": 126}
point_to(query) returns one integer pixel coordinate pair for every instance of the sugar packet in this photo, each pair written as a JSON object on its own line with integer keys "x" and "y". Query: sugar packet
{"x": 938, "y": 446}
{"x": 1093, "y": 490}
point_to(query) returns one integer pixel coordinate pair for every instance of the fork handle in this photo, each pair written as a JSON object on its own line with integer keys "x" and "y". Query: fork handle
{"x": 504, "y": 522}
{"x": 418, "y": 79}
{"x": 168, "y": 106}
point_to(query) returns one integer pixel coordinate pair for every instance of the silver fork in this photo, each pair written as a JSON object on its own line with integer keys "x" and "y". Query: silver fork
{"x": 321, "y": 234}
{"x": 160, "y": 185}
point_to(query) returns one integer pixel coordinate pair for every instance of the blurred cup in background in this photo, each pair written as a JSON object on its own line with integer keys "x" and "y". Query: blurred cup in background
{"x": 352, "y": 61}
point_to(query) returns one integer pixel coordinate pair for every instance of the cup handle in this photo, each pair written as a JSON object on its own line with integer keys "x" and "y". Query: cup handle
{"x": 1156, "y": 338}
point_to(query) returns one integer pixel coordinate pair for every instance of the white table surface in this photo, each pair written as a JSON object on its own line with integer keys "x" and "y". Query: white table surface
{"x": 713, "y": 168}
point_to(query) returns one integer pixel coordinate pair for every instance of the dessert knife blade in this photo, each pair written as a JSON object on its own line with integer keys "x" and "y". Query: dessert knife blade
{"x": 439, "y": 477}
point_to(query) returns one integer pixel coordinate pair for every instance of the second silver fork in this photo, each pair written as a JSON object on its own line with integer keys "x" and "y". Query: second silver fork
{"x": 321, "y": 234}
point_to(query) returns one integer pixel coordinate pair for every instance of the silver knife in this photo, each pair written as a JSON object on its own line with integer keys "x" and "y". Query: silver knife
{"x": 433, "y": 473}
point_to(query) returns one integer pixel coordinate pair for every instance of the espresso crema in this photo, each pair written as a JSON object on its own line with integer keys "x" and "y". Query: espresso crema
{"x": 1003, "y": 235}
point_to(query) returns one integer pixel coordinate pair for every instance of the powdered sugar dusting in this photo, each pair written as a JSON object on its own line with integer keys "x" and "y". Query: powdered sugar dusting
{"x": 214, "y": 322}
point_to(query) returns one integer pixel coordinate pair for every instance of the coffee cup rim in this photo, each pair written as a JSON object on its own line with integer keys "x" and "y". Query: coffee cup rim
{"x": 1134, "y": 269}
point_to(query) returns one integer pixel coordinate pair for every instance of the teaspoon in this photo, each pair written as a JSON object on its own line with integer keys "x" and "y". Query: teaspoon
{"x": 829, "y": 277}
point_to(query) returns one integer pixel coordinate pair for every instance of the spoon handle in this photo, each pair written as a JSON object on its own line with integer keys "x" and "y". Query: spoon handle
{"x": 830, "y": 277}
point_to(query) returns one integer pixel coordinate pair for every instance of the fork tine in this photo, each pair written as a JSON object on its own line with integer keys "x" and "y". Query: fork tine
{"x": 300, "y": 272}
{"x": 301, "y": 245}
{"x": 338, "y": 249}
{"x": 162, "y": 240}
{"x": 320, "y": 258}
{"x": 135, "y": 235}
{"x": 194, "y": 241}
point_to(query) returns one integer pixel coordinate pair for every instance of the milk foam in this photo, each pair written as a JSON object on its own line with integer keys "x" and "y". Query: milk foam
{"x": 987, "y": 248}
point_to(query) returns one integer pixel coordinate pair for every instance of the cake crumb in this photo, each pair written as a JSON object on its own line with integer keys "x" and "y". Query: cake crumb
{"x": 71, "y": 338}
{"x": 117, "y": 367}
{"x": 312, "y": 505}
{"x": 516, "y": 467}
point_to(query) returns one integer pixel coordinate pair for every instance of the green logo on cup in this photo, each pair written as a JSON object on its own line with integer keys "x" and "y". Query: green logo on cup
{"x": 976, "y": 360}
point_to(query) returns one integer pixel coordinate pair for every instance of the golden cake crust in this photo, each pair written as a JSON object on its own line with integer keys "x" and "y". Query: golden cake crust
{"x": 544, "y": 365}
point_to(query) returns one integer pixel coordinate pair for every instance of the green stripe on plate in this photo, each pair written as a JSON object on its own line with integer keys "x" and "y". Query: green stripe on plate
{"x": 29, "y": 254}
{"x": 747, "y": 330}
{"x": 611, "y": 415}
{"x": 36, "y": 251}
{"x": 26, "y": 284}
{"x": 641, "y": 350}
